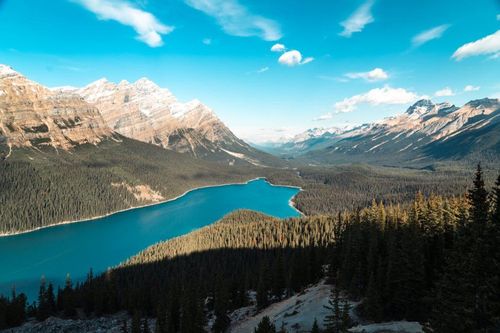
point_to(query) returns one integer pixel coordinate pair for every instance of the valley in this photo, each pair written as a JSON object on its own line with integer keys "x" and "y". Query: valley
{"x": 356, "y": 216}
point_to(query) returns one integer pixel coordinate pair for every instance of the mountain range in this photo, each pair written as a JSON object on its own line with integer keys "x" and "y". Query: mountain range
{"x": 425, "y": 132}
{"x": 32, "y": 115}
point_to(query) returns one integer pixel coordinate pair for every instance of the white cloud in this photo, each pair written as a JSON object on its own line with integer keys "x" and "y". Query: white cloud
{"x": 278, "y": 48}
{"x": 376, "y": 74}
{"x": 486, "y": 45}
{"x": 236, "y": 20}
{"x": 357, "y": 21}
{"x": 207, "y": 41}
{"x": 498, "y": 17}
{"x": 149, "y": 29}
{"x": 428, "y": 35}
{"x": 471, "y": 88}
{"x": 326, "y": 116}
{"x": 263, "y": 69}
{"x": 293, "y": 58}
{"x": 377, "y": 96}
{"x": 445, "y": 92}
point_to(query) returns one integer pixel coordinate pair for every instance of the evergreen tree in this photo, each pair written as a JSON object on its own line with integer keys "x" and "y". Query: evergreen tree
{"x": 346, "y": 319}
{"x": 315, "y": 327}
{"x": 478, "y": 199}
{"x": 265, "y": 326}
{"x": 43, "y": 311}
{"x": 68, "y": 298}
{"x": 333, "y": 320}
{"x": 496, "y": 203}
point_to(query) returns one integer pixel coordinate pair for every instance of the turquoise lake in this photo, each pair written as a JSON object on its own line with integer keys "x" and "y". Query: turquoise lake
{"x": 101, "y": 243}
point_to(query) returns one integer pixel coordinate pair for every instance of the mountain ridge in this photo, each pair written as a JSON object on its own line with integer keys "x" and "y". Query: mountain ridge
{"x": 417, "y": 134}
{"x": 33, "y": 115}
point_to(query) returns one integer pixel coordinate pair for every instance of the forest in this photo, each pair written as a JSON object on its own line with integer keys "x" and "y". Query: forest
{"x": 41, "y": 188}
{"x": 44, "y": 187}
{"x": 434, "y": 260}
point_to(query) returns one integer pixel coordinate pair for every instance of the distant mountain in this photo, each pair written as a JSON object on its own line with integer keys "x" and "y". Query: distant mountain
{"x": 311, "y": 139}
{"x": 34, "y": 116}
{"x": 145, "y": 112}
{"x": 425, "y": 132}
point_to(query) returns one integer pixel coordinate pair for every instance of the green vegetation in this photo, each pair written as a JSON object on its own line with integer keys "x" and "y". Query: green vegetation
{"x": 434, "y": 260}
{"x": 328, "y": 190}
{"x": 41, "y": 188}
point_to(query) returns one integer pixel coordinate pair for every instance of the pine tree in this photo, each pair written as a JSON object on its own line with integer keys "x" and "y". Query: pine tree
{"x": 68, "y": 298}
{"x": 315, "y": 327}
{"x": 496, "y": 203}
{"x": 42, "y": 308}
{"x": 346, "y": 319}
{"x": 333, "y": 321}
{"x": 478, "y": 199}
{"x": 50, "y": 299}
{"x": 265, "y": 326}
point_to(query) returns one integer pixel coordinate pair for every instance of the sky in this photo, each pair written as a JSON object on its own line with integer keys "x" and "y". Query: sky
{"x": 269, "y": 69}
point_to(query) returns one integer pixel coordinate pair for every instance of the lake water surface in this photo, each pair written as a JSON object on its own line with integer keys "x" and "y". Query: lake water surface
{"x": 98, "y": 244}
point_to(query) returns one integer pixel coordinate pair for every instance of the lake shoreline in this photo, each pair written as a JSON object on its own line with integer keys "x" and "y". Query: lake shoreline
{"x": 291, "y": 203}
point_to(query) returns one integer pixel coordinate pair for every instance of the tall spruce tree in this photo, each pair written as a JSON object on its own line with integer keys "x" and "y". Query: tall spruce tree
{"x": 265, "y": 326}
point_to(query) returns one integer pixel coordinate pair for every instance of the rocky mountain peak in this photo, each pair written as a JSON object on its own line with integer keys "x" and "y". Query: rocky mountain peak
{"x": 420, "y": 107}
{"x": 7, "y": 71}
{"x": 32, "y": 115}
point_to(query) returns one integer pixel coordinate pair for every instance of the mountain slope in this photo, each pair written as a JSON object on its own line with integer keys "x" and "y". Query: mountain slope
{"x": 34, "y": 116}
{"x": 144, "y": 111}
{"x": 60, "y": 161}
{"x": 426, "y": 132}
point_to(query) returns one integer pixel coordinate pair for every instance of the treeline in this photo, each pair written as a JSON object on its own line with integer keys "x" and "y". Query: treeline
{"x": 40, "y": 188}
{"x": 328, "y": 190}
{"x": 435, "y": 260}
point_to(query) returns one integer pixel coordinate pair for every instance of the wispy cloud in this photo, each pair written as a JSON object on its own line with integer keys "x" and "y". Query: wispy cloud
{"x": 377, "y": 96}
{"x": 484, "y": 46}
{"x": 207, "y": 41}
{"x": 263, "y": 70}
{"x": 376, "y": 74}
{"x": 469, "y": 88}
{"x": 428, "y": 35}
{"x": 324, "y": 117}
{"x": 149, "y": 29}
{"x": 294, "y": 58}
{"x": 236, "y": 20}
{"x": 445, "y": 92}
{"x": 358, "y": 20}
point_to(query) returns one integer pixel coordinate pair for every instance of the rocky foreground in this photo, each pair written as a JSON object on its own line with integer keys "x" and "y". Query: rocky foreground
{"x": 111, "y": 324}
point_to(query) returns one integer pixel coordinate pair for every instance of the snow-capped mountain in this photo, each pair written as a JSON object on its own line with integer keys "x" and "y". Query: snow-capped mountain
{"x": 32, "y": 115}
{"x": 420, "y": 132}
{"x": 146, "y": 112}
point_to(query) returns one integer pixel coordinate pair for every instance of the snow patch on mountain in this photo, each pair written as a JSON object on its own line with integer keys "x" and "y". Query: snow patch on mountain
{"x": 7, "y": 71}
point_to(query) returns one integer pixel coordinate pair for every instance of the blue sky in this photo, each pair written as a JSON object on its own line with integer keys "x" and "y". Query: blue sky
{"x": 334, "y": 62}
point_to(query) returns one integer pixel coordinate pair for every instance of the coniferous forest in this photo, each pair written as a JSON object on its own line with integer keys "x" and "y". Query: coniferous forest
{"x": 434, "y": 260}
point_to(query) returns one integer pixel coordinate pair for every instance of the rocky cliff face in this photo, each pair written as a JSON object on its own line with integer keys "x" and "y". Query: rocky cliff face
{"x": 144, "y": 111}
{"x": 34, "y": 116}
